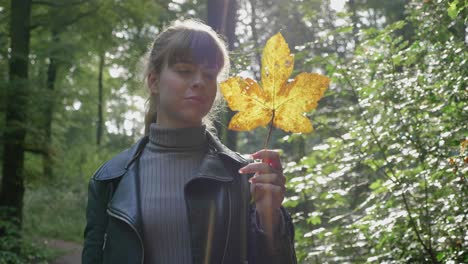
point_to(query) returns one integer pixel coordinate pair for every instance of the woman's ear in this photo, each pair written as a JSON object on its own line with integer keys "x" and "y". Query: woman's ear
{"x": 152, "y": 81}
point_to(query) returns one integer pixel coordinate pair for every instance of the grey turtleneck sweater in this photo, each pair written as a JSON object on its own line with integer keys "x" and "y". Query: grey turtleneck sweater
{"x": 169, "y": 160}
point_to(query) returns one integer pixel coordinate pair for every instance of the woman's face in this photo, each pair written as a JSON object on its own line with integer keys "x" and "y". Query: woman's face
{"x": 186, "y": 93}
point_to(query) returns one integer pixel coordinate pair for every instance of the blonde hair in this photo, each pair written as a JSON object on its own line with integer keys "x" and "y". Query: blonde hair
{"x": 192, "y": 40}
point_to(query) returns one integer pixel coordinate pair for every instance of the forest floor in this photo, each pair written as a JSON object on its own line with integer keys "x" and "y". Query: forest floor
{"x": 71, "y": 251}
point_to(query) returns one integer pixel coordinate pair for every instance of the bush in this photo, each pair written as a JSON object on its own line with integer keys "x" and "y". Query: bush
{"x": 387, "y": 184}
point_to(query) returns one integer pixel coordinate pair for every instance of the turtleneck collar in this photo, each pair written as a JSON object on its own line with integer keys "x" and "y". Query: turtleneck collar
{"x": 192, "y": 138}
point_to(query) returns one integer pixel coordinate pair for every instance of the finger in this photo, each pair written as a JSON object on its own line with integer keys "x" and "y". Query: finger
{"x": 266, "y": 190}
{"x": 273, "y": 178}
{"x": 257, "y": 167}
{"x": 266, "y": 154}
{"x": 269, "y": 156}
{"x": 272, "y": 189}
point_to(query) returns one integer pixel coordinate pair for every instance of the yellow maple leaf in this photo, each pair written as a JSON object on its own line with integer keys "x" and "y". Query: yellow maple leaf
{"x": 277, "y": 100}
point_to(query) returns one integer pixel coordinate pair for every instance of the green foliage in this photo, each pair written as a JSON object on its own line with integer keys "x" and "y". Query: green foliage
{"x": 42, "y": 204}
{"x": 15, "y": 250}
{"x": 455, "y": 8}
{"x": 381, "y": 180}
{"x": 380, "y": 176}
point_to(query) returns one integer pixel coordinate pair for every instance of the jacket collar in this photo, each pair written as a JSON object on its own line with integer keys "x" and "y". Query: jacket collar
{"x": 225, "y": 151}
{"x": 120, "y": 164}
{"x": 219, "y": 160}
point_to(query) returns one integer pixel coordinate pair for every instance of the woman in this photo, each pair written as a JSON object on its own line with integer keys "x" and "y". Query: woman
{"x": 178, "y": 195}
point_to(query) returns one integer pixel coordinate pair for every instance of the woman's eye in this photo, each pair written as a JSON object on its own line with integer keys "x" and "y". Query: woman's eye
{"x": 184, "y": 70}
{"x": 210, "y": 76}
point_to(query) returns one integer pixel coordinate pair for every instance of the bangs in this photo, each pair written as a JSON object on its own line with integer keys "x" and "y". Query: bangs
{"x": 196, "y": 47}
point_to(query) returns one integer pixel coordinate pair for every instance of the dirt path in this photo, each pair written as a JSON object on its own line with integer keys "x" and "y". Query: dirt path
{"x": 72, "y": 251}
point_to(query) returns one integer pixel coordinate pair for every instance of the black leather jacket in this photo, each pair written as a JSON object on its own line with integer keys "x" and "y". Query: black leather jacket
{"x": 221, "y": 218}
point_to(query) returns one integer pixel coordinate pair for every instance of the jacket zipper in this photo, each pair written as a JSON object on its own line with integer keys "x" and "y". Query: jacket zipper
{"x": 229, "y": 227}
{"x": 105, "y": 240}
{"x": 134, "y": 229}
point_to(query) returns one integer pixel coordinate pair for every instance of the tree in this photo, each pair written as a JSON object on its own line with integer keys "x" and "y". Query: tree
{"x": 69, "y": 14}
{"x": 221, "y": 16}
{"x": 12, "y": 191}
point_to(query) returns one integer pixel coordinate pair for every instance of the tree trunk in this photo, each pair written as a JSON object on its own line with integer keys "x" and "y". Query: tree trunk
{"x": 216, "y": 14}
{"x": 254, "y": 33}
{"x": 355, "y": 20}
{"x": 12, "y": 191}
{"x": 231, "y": 136}
{"x": 100, "y": 121}
{"x": 49, "y": 108}
{"x": 299, "y": 147}
{"x": 222, "y": 18}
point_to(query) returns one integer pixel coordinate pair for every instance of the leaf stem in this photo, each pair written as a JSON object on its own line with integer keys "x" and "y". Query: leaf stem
{"x": 270, "y": 129}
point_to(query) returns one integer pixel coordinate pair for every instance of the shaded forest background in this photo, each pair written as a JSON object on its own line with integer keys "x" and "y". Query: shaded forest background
{"x": 382, "y": 179}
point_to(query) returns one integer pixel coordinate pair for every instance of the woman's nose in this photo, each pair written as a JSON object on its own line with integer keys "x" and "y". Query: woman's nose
{"x": 198, "y": 80}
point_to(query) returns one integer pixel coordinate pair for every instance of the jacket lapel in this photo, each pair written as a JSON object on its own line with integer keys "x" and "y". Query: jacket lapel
{"x": 213, "y": 220}
{"x": 226, "y": 153}
{"x": 125, "y": 200}
{"x": 213, "y": 167}
{"x": 208, "y": 201}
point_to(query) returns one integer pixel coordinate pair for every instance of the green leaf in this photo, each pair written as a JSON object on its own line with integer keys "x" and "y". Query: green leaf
{"x": 345, "y": 29}
{"x": 452, "y": 9}
{"x": 290, "y": 203}
{"x": 375, "y": 185}
{"x": 397, "y": 25}
{"x": 314, "y": 220}
{"x": 440, "y": 256}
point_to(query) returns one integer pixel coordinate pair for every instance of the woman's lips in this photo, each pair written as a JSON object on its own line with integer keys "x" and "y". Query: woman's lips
{"x": 198, "y": 99}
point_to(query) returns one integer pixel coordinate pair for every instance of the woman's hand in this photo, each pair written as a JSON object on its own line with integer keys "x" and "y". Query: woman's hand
{"x": 267, "y": 188}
